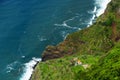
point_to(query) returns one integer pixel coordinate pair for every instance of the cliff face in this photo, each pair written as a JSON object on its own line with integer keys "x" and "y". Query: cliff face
{"x": 82, "y": 51}
{"x": 99, "y": 37}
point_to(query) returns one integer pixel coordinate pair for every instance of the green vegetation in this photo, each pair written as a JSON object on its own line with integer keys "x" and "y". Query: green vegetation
{"x": 108, "y": 67}
{"x": 62, "y": 68}
{"x": 110, "y": 19}
{"x": 90, "y": 54}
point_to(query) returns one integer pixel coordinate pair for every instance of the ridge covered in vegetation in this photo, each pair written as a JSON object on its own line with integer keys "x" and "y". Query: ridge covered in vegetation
{"x": 90, "y": 54}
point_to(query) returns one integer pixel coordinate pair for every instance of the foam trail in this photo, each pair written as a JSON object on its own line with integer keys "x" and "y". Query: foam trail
{"x": 65, "y": 23}
{"x": 102, "y": 5}
{"x": 29, "y": 68}
{"x": 93, "y": 17}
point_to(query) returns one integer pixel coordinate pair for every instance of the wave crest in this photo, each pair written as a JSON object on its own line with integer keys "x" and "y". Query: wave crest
{"x": 29, "y": 68}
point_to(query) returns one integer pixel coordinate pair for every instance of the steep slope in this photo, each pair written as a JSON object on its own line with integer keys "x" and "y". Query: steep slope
{"x": 81, "y": 51}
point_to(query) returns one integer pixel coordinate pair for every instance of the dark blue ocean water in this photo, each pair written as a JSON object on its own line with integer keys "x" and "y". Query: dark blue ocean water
{"x": 28, "y": 26}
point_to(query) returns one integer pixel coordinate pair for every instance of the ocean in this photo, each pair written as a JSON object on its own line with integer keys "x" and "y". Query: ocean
{"x": 28, "y": 26}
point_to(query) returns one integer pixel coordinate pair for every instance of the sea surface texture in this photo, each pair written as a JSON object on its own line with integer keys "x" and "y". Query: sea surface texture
{"x": 28, "y": 26}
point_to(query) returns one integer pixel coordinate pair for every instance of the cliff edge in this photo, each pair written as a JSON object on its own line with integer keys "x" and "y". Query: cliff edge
{"x": 88, "y": 54}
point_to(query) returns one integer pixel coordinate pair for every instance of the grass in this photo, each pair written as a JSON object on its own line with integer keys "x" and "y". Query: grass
{"x": 62, "y": 69}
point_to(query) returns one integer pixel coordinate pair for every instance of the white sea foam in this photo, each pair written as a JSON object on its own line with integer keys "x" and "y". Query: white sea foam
{"x": 66, "y": 25}
{"x": 29, "y": 68}
{"x": 101, "y": 5}
{"x": 9, "y": 69}
{"x": 11, "y": 66}
{"x": 93, "y": 11}
{"x": 93, "y": 16}
{"x": 91, "y": 20}
{"x": 66, "y": 36}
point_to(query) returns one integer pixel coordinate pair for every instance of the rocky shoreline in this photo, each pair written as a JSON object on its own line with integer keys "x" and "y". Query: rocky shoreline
{"x": 34, "y": 68}
{"x": 65, "y": 48}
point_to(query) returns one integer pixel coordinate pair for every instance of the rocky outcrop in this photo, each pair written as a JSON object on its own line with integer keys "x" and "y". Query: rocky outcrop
{"x": 52, "y": 52}
{"x": 67, "y": 47}
{"x": 89, "y": 41}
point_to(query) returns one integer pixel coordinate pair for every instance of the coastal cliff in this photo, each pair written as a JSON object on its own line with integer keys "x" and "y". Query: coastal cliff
{"x": 88, "y": 54}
